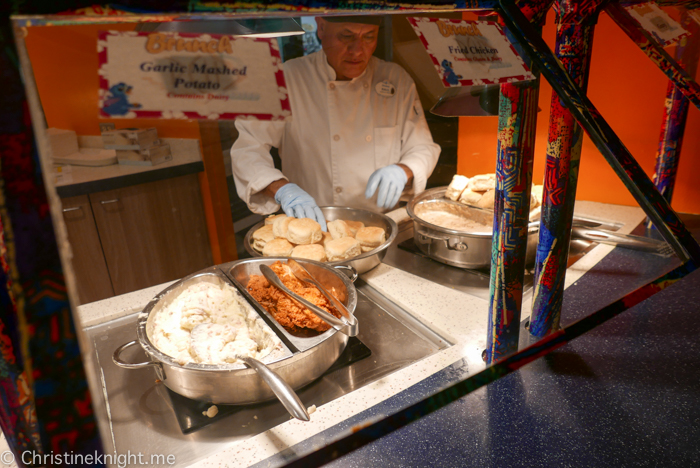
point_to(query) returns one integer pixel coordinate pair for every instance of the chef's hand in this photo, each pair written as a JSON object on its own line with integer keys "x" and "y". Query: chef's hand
{"x": 391, "y": 181}
{"x": 299, "y": 204}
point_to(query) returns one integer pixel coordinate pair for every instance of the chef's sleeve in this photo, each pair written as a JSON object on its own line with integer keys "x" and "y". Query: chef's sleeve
{"x": 253, "y": 166}
{"x": 418, "y": 151}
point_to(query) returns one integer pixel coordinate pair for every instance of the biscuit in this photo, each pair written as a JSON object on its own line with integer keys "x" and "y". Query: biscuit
{"x": 342, "y": 249}
{"x": 338, "y": 229}
{"x": 278, "y": 248}
{"x": 456, "y": 187}
{"x": 469, "y": 197}
{"x": 262, "y": 236}
{"x": 482, "y": 182}
{"x": 370, "y": 237}
{"x": 354, "y": 226}
{"x": 487, "y": 200}
{"x": 271, "y": 219}
{"x": 279, "y": 226}
{"x": 310, "y": 252}
{"x": 303, "y": 231}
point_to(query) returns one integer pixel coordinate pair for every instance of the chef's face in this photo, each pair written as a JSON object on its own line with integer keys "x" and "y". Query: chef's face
{"x": 348, "y": 46}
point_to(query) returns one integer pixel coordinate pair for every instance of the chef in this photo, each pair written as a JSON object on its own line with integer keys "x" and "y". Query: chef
{"x": 357, "y": 137}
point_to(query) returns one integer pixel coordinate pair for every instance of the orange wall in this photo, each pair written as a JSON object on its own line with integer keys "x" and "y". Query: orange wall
{"x": 629, "y": 91}
{"x": 64, "y": 60}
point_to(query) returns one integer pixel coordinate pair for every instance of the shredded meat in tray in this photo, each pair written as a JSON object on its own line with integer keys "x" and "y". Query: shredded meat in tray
{"x": 290, "y": 314}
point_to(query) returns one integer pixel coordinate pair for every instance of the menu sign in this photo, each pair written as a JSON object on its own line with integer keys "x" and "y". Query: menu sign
{"x": 467, "y": 53}
{"x": 657, "y": 22}
{"x": 190, "y": 76}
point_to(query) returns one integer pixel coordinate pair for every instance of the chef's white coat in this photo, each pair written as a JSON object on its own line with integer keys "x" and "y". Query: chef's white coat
{"x": 339, "y": 134}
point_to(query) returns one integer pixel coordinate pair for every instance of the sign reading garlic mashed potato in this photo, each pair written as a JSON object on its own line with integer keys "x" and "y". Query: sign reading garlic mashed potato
{"x": 160, "y": 75}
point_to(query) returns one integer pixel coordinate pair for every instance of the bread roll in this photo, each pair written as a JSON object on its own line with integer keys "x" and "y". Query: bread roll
{"x": 354, "y": 226}
{"x": 370, "y": 237}
{"x": 271, "y": 219}
{"x": 278, "y": 248}
{"x": 482, "y": 182}
{"x": 279, "y": 226}
{"x": 456, "y": 187}
{"x": 310, "y": 251}
{"x": 342, "y": 249}
{"x": 338, "y": 229}
{"x": 487, "y": 200}
{"x": 303, "y": 231}
{"x": 534, "y": 203}
{"x": 261, "y": 237}
{"x": 537, "y": 191}
{"x": 470, "y": 198}
{"x": 326, "y": 237}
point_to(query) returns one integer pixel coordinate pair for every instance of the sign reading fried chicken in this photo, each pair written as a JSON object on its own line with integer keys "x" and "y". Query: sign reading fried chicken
{"x": 190, "y": 76}
{"x": 467, "y": 53}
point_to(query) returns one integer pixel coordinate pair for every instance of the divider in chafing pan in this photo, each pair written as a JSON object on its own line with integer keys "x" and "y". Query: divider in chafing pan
{"x": 239, "y": 272}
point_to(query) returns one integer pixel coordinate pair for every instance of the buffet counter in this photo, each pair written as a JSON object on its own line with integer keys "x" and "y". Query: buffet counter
{"x": 453, "y": 319}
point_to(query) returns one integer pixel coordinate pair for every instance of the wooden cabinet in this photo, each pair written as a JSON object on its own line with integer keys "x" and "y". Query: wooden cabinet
{"x": 89, "y": 264}
{"x": 149, "y": 234}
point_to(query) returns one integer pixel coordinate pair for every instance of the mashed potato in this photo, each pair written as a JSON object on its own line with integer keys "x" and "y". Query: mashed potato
{"x": 210, "y": 324}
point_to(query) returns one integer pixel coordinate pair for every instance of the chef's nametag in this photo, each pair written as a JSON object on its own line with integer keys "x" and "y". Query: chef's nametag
{"x": 385, "y": 89}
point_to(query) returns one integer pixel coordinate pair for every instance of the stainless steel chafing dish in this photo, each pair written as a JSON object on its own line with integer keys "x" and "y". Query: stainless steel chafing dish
{"x": 363, "y": 262}
{"x": 462, "y": 249}
{"x": 305, "y": 360}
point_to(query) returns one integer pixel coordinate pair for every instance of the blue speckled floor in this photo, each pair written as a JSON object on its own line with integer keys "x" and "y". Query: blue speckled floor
{"x": 625, "y": 394}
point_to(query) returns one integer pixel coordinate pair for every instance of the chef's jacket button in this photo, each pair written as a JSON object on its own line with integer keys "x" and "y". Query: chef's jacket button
{"x": 339, "y": 189}
{"x": 369, "y": 138}
{"x": 336, "y": 137}
{"x": 331, "y": 86}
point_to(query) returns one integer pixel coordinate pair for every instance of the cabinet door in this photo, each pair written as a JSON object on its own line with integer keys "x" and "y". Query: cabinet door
{"x": 88, "y": 261}
{"x": 152, "y": 233}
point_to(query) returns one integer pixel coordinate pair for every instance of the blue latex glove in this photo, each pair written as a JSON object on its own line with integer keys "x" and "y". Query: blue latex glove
{"x": 391, "y": 181}
{"x": 299, "y": 204}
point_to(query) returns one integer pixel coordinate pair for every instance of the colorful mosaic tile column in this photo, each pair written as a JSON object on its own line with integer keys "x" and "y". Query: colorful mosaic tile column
{"x": 517, "y": 121}
{"x": 516, "y": 141}
{"x": 675, "y": 113}
{"x": 648, "y": 44}
{"x": 575, "y": 25}
{"x": 629, "y": 171}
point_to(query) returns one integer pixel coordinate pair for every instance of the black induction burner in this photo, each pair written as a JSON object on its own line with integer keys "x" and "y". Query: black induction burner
{"x": 190, "y": 413}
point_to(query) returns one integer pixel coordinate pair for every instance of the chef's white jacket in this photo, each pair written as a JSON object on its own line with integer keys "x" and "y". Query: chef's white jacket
{"x": 339, "y": 134}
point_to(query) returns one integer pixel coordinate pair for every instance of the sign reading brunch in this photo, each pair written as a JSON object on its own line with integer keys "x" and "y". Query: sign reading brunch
{"x": 467, "y": 53}
{"x": 190, "y": 76}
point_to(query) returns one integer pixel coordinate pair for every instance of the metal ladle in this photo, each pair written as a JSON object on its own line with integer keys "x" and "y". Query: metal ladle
{"x": 281, "y": 389}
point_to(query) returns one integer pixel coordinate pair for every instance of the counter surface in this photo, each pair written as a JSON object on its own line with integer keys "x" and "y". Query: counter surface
{"x": 457, "y": 315}
{"x": 81, "y": 180}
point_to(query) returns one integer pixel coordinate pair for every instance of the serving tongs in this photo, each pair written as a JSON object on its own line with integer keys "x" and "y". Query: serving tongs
{"x": 347, "y": 324}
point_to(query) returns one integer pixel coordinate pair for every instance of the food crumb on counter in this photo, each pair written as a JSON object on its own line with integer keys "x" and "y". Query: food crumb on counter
{"x": 311, "y": 409}
{"x": 255, "y": 417}
{"x": 211, "y": 412}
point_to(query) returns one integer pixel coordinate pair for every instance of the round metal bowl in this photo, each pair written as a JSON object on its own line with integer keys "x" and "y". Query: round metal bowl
{"x": 302, "y": 361}
{"x": 471, "y": 250}
{"x": 363, "y": 262}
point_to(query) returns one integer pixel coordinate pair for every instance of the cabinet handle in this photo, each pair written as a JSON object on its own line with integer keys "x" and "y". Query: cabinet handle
{"x": 75, "y": 208}
{"x": 104, "y": 202}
